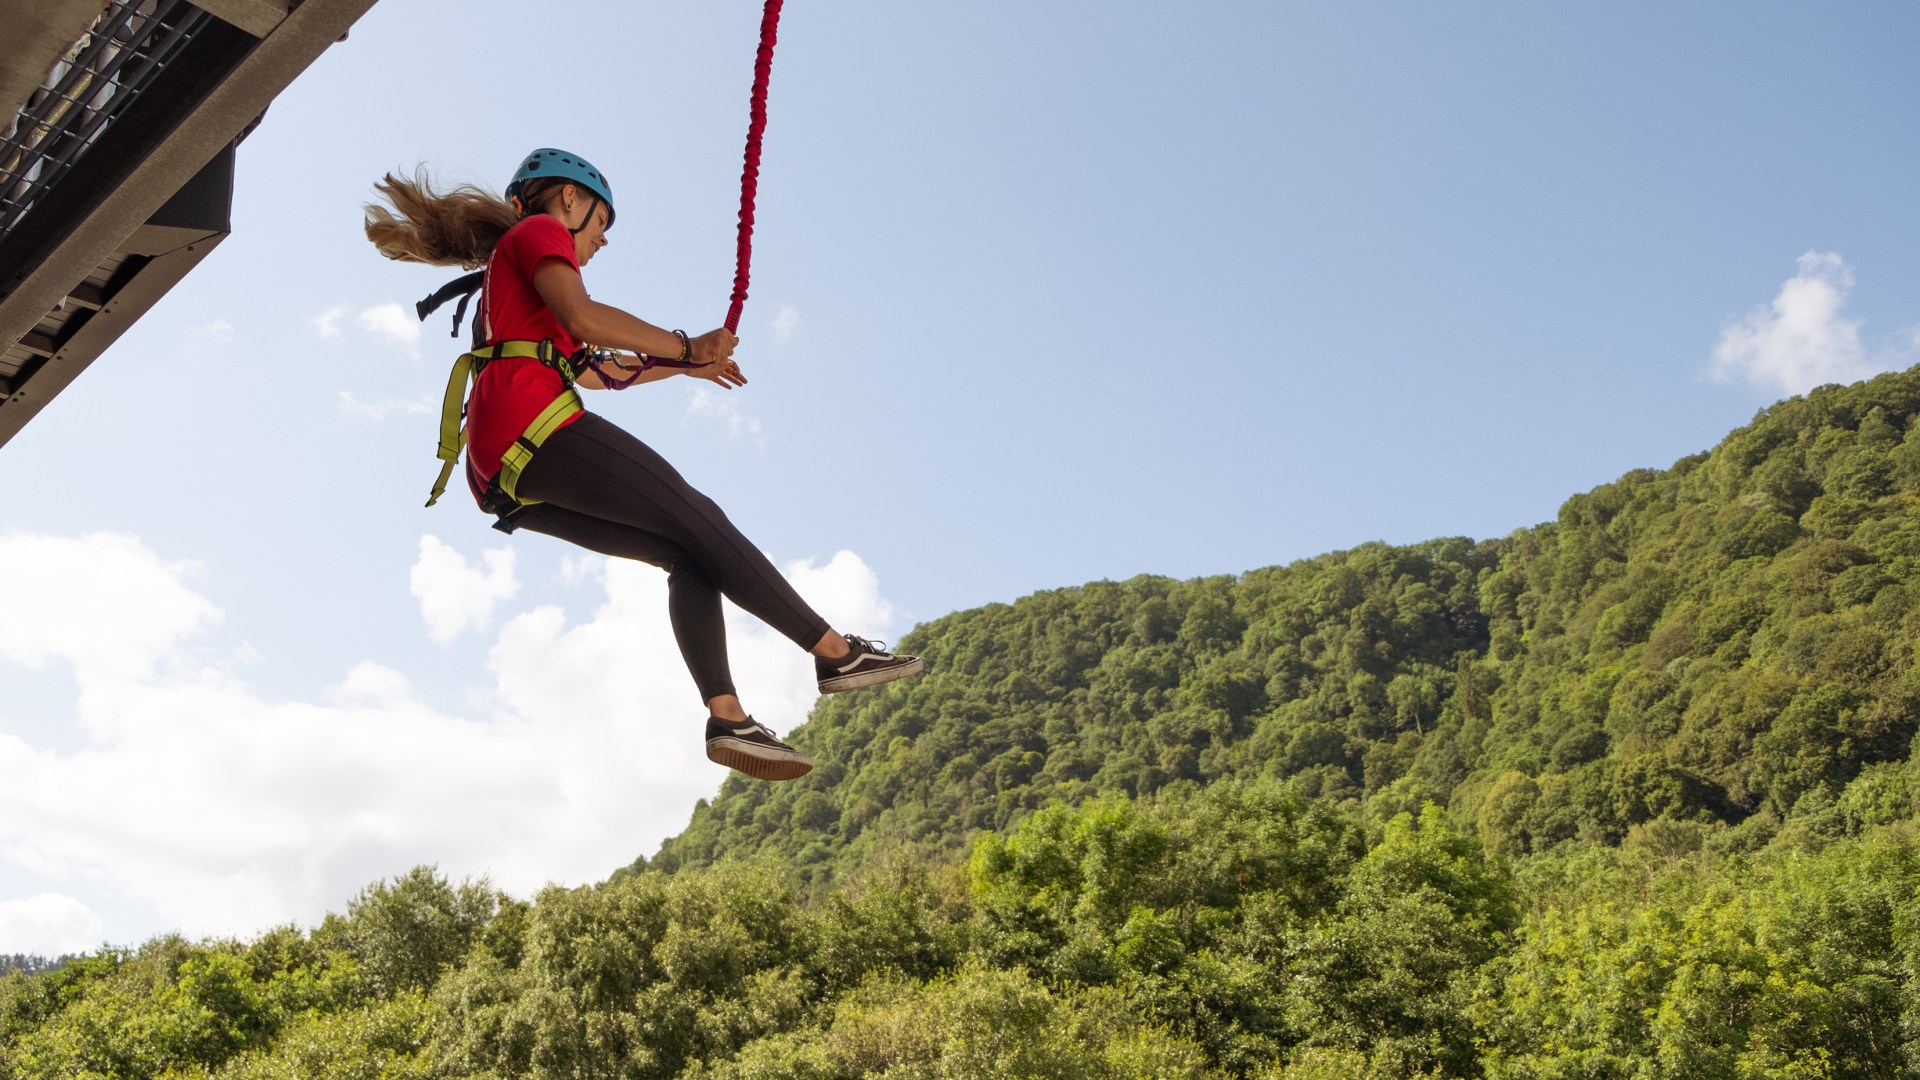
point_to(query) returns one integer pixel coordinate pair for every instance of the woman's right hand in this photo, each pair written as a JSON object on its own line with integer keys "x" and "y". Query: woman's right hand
{"x": 713, "y": 347}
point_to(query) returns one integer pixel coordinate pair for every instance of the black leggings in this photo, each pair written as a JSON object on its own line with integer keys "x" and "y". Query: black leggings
{"x": 606, "y": 491}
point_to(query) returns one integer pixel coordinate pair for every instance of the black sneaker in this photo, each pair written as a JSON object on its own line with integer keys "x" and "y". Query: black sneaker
{"x": 752, "y": 749}
{"x": 868, "y": 665}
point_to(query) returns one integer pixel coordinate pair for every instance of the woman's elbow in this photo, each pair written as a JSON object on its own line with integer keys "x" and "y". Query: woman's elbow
{"x": 579, "y": 325}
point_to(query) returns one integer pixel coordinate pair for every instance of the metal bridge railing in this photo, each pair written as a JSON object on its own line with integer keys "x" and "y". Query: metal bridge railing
{"x": 107, "y": 70}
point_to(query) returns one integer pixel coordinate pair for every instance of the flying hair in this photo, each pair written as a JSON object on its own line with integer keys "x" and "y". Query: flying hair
{"x": 455, "y": 227}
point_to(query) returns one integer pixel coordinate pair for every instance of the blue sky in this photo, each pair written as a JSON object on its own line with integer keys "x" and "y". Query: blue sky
{"x": 1042, "y": 294}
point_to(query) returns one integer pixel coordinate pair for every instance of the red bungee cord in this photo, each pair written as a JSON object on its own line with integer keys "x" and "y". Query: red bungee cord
{"x": 750, "y": 173}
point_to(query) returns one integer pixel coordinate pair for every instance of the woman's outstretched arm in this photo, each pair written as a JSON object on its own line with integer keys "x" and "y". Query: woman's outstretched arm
{"x": 587, "y": 319}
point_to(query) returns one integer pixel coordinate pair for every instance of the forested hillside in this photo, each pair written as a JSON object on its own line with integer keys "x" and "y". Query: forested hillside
{"x": 1709, "y": 648}
{"x": 1631, "y": 793}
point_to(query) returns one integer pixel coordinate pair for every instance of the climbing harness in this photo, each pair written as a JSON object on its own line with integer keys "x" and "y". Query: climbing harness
{"x": 500, "y": 496}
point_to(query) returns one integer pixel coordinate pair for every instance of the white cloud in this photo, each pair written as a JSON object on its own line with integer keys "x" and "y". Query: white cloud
{"x": 787, "y": 327}
{"x": 846, "y": 591}
{"x": 578, "y": 567}
{"x": 373, "y": 684}
{"x": 50, "y": 925}
{"x": 226, "y": 812}
{"x": 103, "y": 602}
{"x": 711, "y": 404}
{"x": 1800, "y": 340}
{"x": 327, "y": 323}
{"x": 455, "y": 595}
{"x": 386, "y": 408}
{"x": 218, "y": 332}
{"x": 393, "y": 322}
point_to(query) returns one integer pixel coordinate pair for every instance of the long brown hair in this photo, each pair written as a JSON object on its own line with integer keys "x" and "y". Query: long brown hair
{"x": 456, "y": 227}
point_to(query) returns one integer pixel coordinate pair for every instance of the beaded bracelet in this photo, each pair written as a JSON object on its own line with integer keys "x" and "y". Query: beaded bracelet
{"x": 686, "y": 347}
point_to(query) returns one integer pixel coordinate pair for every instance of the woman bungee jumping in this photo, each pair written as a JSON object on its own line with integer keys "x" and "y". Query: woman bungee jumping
{"x": 539, "y": 461}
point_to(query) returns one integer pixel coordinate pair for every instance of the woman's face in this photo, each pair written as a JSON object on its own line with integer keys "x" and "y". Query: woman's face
{"x": 571, "y": 208}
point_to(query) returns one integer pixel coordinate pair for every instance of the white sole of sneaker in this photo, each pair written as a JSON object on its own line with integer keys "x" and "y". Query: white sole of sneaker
{"x": 870, "y": 678}
{"x": 732, "y": 754}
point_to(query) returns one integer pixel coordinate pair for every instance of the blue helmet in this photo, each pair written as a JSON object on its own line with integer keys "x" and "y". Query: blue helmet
{"x": 547, "y": 161}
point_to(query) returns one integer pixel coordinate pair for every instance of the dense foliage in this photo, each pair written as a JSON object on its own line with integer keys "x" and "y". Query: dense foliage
{"x": 1709, "y": 646}
{"x": 1631, "y": 793}
{"x": 1243, "y": 929}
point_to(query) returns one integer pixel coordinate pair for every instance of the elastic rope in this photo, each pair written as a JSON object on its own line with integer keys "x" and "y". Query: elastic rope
{"x": 750, "y": 171}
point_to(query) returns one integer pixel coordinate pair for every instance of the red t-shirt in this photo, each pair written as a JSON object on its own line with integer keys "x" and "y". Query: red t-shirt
{"x": 510, "y": 393}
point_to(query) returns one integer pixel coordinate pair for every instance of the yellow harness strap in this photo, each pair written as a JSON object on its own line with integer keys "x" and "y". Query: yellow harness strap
{"x": 453, "y": 434}
{"x": 518, "y": 455}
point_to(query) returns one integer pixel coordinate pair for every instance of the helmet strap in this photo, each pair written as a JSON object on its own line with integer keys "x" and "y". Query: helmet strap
{"x": 584, "y": 222}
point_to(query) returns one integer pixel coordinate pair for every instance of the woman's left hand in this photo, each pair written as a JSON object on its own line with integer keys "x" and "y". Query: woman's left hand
{"x": 725, "y": 374}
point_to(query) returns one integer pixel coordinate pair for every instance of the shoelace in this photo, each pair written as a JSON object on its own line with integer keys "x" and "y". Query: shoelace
{"x": 864, "y": 645}
{"x": 770, "y": 733}
{"x": 753, "y": 726}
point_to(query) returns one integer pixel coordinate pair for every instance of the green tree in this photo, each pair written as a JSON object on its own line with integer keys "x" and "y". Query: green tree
{"x": 406, "y": 931}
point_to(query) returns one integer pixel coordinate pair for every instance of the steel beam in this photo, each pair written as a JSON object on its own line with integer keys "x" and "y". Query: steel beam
{"x": 35, "y": 282}
{"x": 29, "y": 396}
{"x": 256, "y": 17}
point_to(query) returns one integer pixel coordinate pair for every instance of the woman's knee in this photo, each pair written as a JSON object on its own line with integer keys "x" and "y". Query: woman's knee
{"x": 686, "y": 573}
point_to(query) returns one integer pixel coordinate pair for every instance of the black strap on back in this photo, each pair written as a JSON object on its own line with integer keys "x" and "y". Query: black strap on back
{"x": 463, "y": 287}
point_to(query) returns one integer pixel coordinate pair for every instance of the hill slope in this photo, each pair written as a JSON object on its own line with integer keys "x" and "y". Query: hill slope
{"x": 1707, "y": 646}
